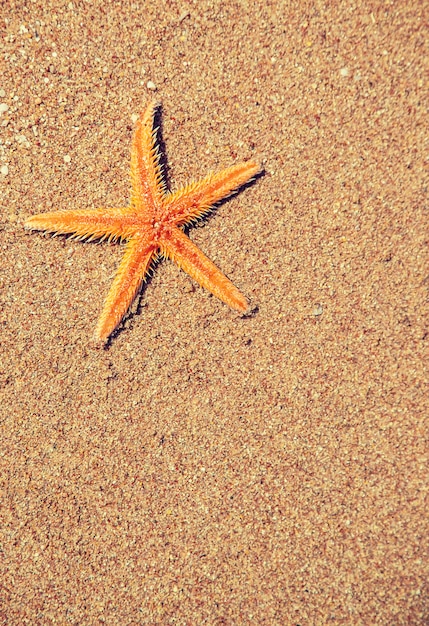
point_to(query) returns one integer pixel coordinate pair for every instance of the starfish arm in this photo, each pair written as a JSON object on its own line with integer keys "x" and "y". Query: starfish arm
{"x": 148, "y": 187}
{"x": 132, "y": 270}
{"x": 86, "y": 224}
{"x": 195, "y": 200}
{"x": 179, "y": 248}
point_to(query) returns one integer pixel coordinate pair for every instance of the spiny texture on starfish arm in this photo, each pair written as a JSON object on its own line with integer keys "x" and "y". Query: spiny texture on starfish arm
{"x": 151, "y": 225}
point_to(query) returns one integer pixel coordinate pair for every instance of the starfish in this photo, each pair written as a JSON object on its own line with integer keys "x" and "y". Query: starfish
{"x": 152, "y": 225}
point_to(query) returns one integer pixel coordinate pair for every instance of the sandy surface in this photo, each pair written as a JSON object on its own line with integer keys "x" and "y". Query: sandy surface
{"x": 207, "y": 468}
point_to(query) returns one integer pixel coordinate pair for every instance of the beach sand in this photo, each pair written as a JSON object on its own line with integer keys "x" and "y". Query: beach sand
{"x": 207, "y": 467}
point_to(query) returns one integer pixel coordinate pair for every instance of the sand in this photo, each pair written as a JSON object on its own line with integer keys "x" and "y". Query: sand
{"x": 205, "y": 467}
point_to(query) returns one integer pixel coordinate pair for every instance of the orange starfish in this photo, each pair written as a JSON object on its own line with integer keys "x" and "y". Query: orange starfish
{"x": 153, "y": 225}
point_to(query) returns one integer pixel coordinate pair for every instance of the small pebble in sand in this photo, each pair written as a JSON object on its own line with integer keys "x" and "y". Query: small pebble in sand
{"x": 4, "y": 170}
{"x": 317, "y": 310}
{"x": 4, "y": 107}
{"x": 344, "y": 71}
{"x": 2, "y": 93}
{"x": 151, "y": 85}
{"x": 22, "y": 140}
{"x": 67, "y": 158}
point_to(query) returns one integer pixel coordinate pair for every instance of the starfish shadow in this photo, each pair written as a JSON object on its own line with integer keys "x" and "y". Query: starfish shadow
{"x": 158, "y": 124}
{"x": 198, "y": 223}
